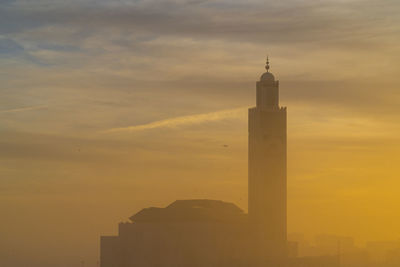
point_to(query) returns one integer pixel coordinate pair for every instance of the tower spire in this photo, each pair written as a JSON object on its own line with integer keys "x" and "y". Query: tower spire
{"x": 267, "y": 67}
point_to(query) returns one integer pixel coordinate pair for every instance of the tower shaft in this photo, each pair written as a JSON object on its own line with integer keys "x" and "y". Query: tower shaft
{"x": 267, "y": 166}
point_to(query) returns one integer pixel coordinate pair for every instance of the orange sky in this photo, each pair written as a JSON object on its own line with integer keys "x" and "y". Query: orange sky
{"x": 108, "y": 107}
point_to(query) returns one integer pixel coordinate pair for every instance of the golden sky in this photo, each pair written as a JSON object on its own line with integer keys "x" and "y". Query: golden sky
{"x": 107, "y": 107}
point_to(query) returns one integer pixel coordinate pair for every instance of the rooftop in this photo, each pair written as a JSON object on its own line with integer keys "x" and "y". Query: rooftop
{"x": 199, "y": 210}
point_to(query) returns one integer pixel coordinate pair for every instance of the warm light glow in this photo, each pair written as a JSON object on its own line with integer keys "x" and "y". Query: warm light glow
{"x": 107, "y": 107}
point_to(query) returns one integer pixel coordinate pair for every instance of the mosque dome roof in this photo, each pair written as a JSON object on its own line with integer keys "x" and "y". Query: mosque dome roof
{"x": 192, "y": 210}
{"x": 267, "y": 76}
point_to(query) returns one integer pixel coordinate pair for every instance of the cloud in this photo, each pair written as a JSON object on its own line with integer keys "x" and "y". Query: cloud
{"x": 9, "y": 47}
{"x": 6, "y": 2}
{"x": 179, "y": 57}
{"x": 184, "y": 120}
{"x": 263, "y": 22}
{"x": 22, "y": 109}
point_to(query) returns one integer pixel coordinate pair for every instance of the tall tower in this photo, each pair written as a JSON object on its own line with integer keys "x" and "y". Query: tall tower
{"x": 267, "y": 166}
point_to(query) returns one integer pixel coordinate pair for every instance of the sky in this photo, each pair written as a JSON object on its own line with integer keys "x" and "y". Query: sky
{"x": 107, "y": 107}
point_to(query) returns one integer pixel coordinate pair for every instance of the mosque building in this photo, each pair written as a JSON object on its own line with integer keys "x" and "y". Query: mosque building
{"x": 207, "y": 233}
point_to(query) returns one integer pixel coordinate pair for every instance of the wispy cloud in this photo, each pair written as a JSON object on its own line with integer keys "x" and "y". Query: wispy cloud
{"x": 184, "y": 120}
{"x": 22, "y": 109}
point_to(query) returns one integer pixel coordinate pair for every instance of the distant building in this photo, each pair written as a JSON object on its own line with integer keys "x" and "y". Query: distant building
{"x": 185, "y": 233}
{"x": 207, "y": 233}
{"x": 267, "y": 167}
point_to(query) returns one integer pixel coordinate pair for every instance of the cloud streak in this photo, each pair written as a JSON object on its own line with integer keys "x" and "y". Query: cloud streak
{"x": 183, "y": 120}
{"x": 294, "y": 21}
{"x": 22, "y": 109}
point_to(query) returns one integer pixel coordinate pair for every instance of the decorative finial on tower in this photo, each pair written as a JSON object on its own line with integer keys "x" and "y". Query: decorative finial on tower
{"x": 267, "y": 65}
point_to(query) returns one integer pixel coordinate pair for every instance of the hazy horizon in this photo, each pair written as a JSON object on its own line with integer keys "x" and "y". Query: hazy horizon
{"x": 108, "y": 107}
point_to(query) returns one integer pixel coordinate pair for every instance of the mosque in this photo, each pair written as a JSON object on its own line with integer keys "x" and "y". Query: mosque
{"x": 207, "y": 233}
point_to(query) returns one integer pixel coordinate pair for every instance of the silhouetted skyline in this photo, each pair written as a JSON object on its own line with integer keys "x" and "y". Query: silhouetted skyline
{"x": 108, "y": 107}
{"x": 207, "y": 232}
{"x": 204, "y": 232}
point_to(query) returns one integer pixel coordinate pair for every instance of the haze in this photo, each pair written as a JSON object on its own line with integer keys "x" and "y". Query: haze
{"x": 107, "y": 107}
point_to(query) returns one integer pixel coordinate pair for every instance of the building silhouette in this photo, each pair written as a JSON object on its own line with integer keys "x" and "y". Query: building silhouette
{"x": 185, "y": 233}
{"x": 267, "y": 166}
{"x": 208, "y": 233}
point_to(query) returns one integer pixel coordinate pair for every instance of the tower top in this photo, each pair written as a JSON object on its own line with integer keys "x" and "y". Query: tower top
{"x": 267, "y": 76}
{"x": 267, "y": 67}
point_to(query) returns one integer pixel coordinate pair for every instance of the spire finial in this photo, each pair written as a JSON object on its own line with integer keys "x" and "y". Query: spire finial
{"x": 267, "y": 64}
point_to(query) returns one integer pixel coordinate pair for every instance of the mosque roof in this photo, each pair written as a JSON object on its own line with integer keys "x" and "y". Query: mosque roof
{"x": 267, "y": 76}
{"x": 202, "y": 210}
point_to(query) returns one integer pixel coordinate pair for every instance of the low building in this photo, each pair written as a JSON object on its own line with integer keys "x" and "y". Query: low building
{"x": 185, "y": 233}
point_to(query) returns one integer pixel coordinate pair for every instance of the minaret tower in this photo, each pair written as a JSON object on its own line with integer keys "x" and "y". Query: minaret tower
{"x": 267, "y": 166}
